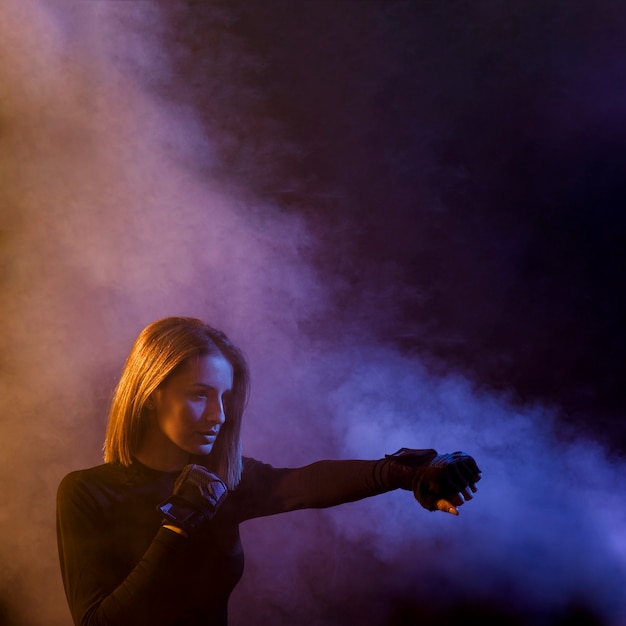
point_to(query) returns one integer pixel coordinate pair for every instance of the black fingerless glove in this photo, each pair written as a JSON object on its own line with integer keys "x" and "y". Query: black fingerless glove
{"x": 430, "y": 476}
{"x": 197, "y": 495}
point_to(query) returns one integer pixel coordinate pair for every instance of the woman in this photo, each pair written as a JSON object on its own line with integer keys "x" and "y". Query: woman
{"x": 152, "y": 535}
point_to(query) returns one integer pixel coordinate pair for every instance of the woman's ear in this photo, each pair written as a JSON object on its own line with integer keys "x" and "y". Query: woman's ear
{"x": 153, "y": 400}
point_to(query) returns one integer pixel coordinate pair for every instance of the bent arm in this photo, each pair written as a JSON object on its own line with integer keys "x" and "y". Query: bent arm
{"x": 97, "y": 590}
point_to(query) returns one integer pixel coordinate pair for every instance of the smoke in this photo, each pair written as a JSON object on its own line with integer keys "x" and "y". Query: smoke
{"x": 103, "y": 232}
{"x": 106, "y": 227}
{"x": 543, "y": 540}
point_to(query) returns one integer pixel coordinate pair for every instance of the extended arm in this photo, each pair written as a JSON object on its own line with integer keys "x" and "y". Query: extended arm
{"x": 432, "y": 477}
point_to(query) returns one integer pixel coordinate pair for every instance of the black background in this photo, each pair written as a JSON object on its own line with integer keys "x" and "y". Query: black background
{"x": 461, "y": 163}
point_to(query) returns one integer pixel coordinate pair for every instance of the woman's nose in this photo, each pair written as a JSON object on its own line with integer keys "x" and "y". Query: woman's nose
{"x": 215, "y": 412}
{"x": 221, "y": 415}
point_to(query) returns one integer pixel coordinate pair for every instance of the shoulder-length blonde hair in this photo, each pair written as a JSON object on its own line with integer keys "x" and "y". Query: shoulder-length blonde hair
{"x": 159, "y": 349}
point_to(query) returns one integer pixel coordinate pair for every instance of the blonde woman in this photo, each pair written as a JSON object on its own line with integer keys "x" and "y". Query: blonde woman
{"x": 152, "y": 535}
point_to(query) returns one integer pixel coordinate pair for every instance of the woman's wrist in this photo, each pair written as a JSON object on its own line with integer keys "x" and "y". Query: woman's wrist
{"x": 176, "y": 529}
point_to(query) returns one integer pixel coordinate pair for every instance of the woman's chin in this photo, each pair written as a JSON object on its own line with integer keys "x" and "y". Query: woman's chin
{"x": 203, "y": 450}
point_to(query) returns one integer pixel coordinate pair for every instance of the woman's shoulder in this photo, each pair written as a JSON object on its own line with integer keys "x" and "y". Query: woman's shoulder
{"x": 253, "y": 466}
{"x": 103, "y": 471}
{"x": 255, "y": 471}
{"x": 91, "y": 479}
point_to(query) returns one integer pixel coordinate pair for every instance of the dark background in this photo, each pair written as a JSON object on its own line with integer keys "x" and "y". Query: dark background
{"x": 462, "y": 163}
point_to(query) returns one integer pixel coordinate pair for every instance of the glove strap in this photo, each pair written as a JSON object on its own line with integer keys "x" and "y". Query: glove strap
{"x": 178, "y": 512}
{"x": 402, "y": 469}
{"x": 413, "y": 457}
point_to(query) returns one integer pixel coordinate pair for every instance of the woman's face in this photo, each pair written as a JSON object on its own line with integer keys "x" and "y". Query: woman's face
{"x": 188, "y": 412}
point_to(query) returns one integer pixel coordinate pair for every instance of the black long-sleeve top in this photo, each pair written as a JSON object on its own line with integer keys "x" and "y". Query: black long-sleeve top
{"x": 120, "y": 567}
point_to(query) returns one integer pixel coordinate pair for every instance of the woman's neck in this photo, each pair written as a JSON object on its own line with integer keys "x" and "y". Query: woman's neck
{"x": 157, "y": 452}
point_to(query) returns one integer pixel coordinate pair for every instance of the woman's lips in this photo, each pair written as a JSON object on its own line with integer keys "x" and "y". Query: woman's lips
{"x": 209, "y": 436}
